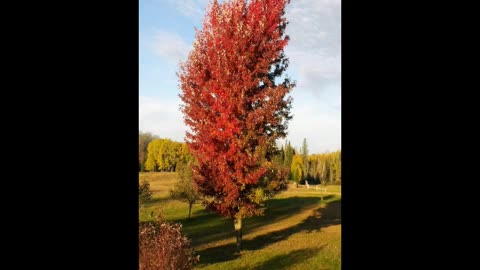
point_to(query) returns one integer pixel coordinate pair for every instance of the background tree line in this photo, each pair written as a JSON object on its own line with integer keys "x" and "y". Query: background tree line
{"x": 315, "y": 168}
{"x": 161, "y": 154}
{"x": 324, "y": 168}
{"x": 144, "y": 139}
{"x": 158, "y": 154}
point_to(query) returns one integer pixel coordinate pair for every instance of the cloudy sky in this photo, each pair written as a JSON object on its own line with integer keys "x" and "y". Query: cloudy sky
{"x": 166, "y": 37}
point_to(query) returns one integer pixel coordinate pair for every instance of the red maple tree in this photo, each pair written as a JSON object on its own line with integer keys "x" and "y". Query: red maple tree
{"x": 235, "y": 108}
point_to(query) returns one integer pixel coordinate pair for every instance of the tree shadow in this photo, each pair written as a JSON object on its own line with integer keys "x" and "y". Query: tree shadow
{"x": 155, "y": 201}
{"x": 283, "y": 261}
{"x": 279, "y": 209}
{"x": 328, "y": 197}
{"x": 218, "y": 254}
{"x": 206, "y": 227}
{"x": 322, "y": 217}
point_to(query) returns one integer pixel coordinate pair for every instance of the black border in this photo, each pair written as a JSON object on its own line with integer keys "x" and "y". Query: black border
{"x": 371, "y": 152}
{"x": 76, "y": 117}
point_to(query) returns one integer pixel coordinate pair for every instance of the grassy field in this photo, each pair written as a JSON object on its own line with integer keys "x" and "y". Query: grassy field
{"x": 301, "y": 229}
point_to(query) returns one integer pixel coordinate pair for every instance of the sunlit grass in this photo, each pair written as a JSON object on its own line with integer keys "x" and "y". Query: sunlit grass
{"x": 301, "y": 229}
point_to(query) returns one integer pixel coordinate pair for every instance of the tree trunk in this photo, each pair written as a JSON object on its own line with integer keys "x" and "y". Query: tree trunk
{"x": 189, "y": 210}
{"x": 237, "y": 223}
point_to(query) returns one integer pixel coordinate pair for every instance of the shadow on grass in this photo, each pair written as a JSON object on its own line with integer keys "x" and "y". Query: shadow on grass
{"x": 283, "y": 261}
{"x": 205, "y": 227}
{"x": 155, "y": 201}
{"x": 328, "y": 197}
{"x": 279, "y": 209}
{"x": 322, "y": 217}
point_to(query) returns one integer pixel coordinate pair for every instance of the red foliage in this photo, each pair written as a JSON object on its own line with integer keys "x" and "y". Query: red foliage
{"x": 163, "y": 247}
{"x": 233, "y": 105}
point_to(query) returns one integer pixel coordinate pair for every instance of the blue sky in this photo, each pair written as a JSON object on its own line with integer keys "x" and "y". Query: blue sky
{"x": 166, "y": 36}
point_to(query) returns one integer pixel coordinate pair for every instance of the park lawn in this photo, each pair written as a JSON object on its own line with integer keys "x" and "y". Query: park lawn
{"x": 301, "y": 229}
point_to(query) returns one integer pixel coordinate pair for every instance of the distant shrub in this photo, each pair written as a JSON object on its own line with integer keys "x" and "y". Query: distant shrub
{"x": 162, "y": 246}
{"x": 144, "y": 193}
{"x": 184, "y": 190}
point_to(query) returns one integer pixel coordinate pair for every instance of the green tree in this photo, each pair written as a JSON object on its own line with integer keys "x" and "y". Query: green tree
{"x": 153, "y": 150}
{"x": 338, "y": 178}
{"x": 185, "y": 190}
{"x": 185, "y": 155}
{"x": 171, "y": 155}
{"x": 168, "y": 154}
{"x": 304, "y": 149}
{"x": 144, "y": 140}
{"x": 144, "y": 193}
{"x": 306, "y": 164}
{"x": 296, "y": 168}
{"x": 163, "y": 155}
{"x": 289, "y": 152}
{"x": 278, "y": 156}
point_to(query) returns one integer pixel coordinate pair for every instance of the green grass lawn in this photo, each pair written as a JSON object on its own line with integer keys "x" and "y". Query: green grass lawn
{"x": 301, "y": 229}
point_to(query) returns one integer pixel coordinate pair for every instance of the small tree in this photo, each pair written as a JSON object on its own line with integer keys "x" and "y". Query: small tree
{"x": 296, "y": 169}
{"x": 338, "y": 178}
{"x": 289, "y": 152}
{"x": 185, "y": 189}
{"x": 304, "y": 154}
{"x": 143, "y": 140}
{"x": 144, "y": 193}
{"x": 162, "y": 246}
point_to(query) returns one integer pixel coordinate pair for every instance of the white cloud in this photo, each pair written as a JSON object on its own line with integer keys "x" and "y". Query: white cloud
{"x": 314, "y": 47}
{"x": 321, "y": 128}
{"x": 315, "y": 72}
{"x": 192, "y": 9}
{"x": 161, "y": 117}
{"x": 315, "y": 63}
{"x": 170, "y": 46}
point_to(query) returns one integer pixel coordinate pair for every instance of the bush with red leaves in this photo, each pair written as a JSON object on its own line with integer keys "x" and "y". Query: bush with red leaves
{"x": 162, "y": 246}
